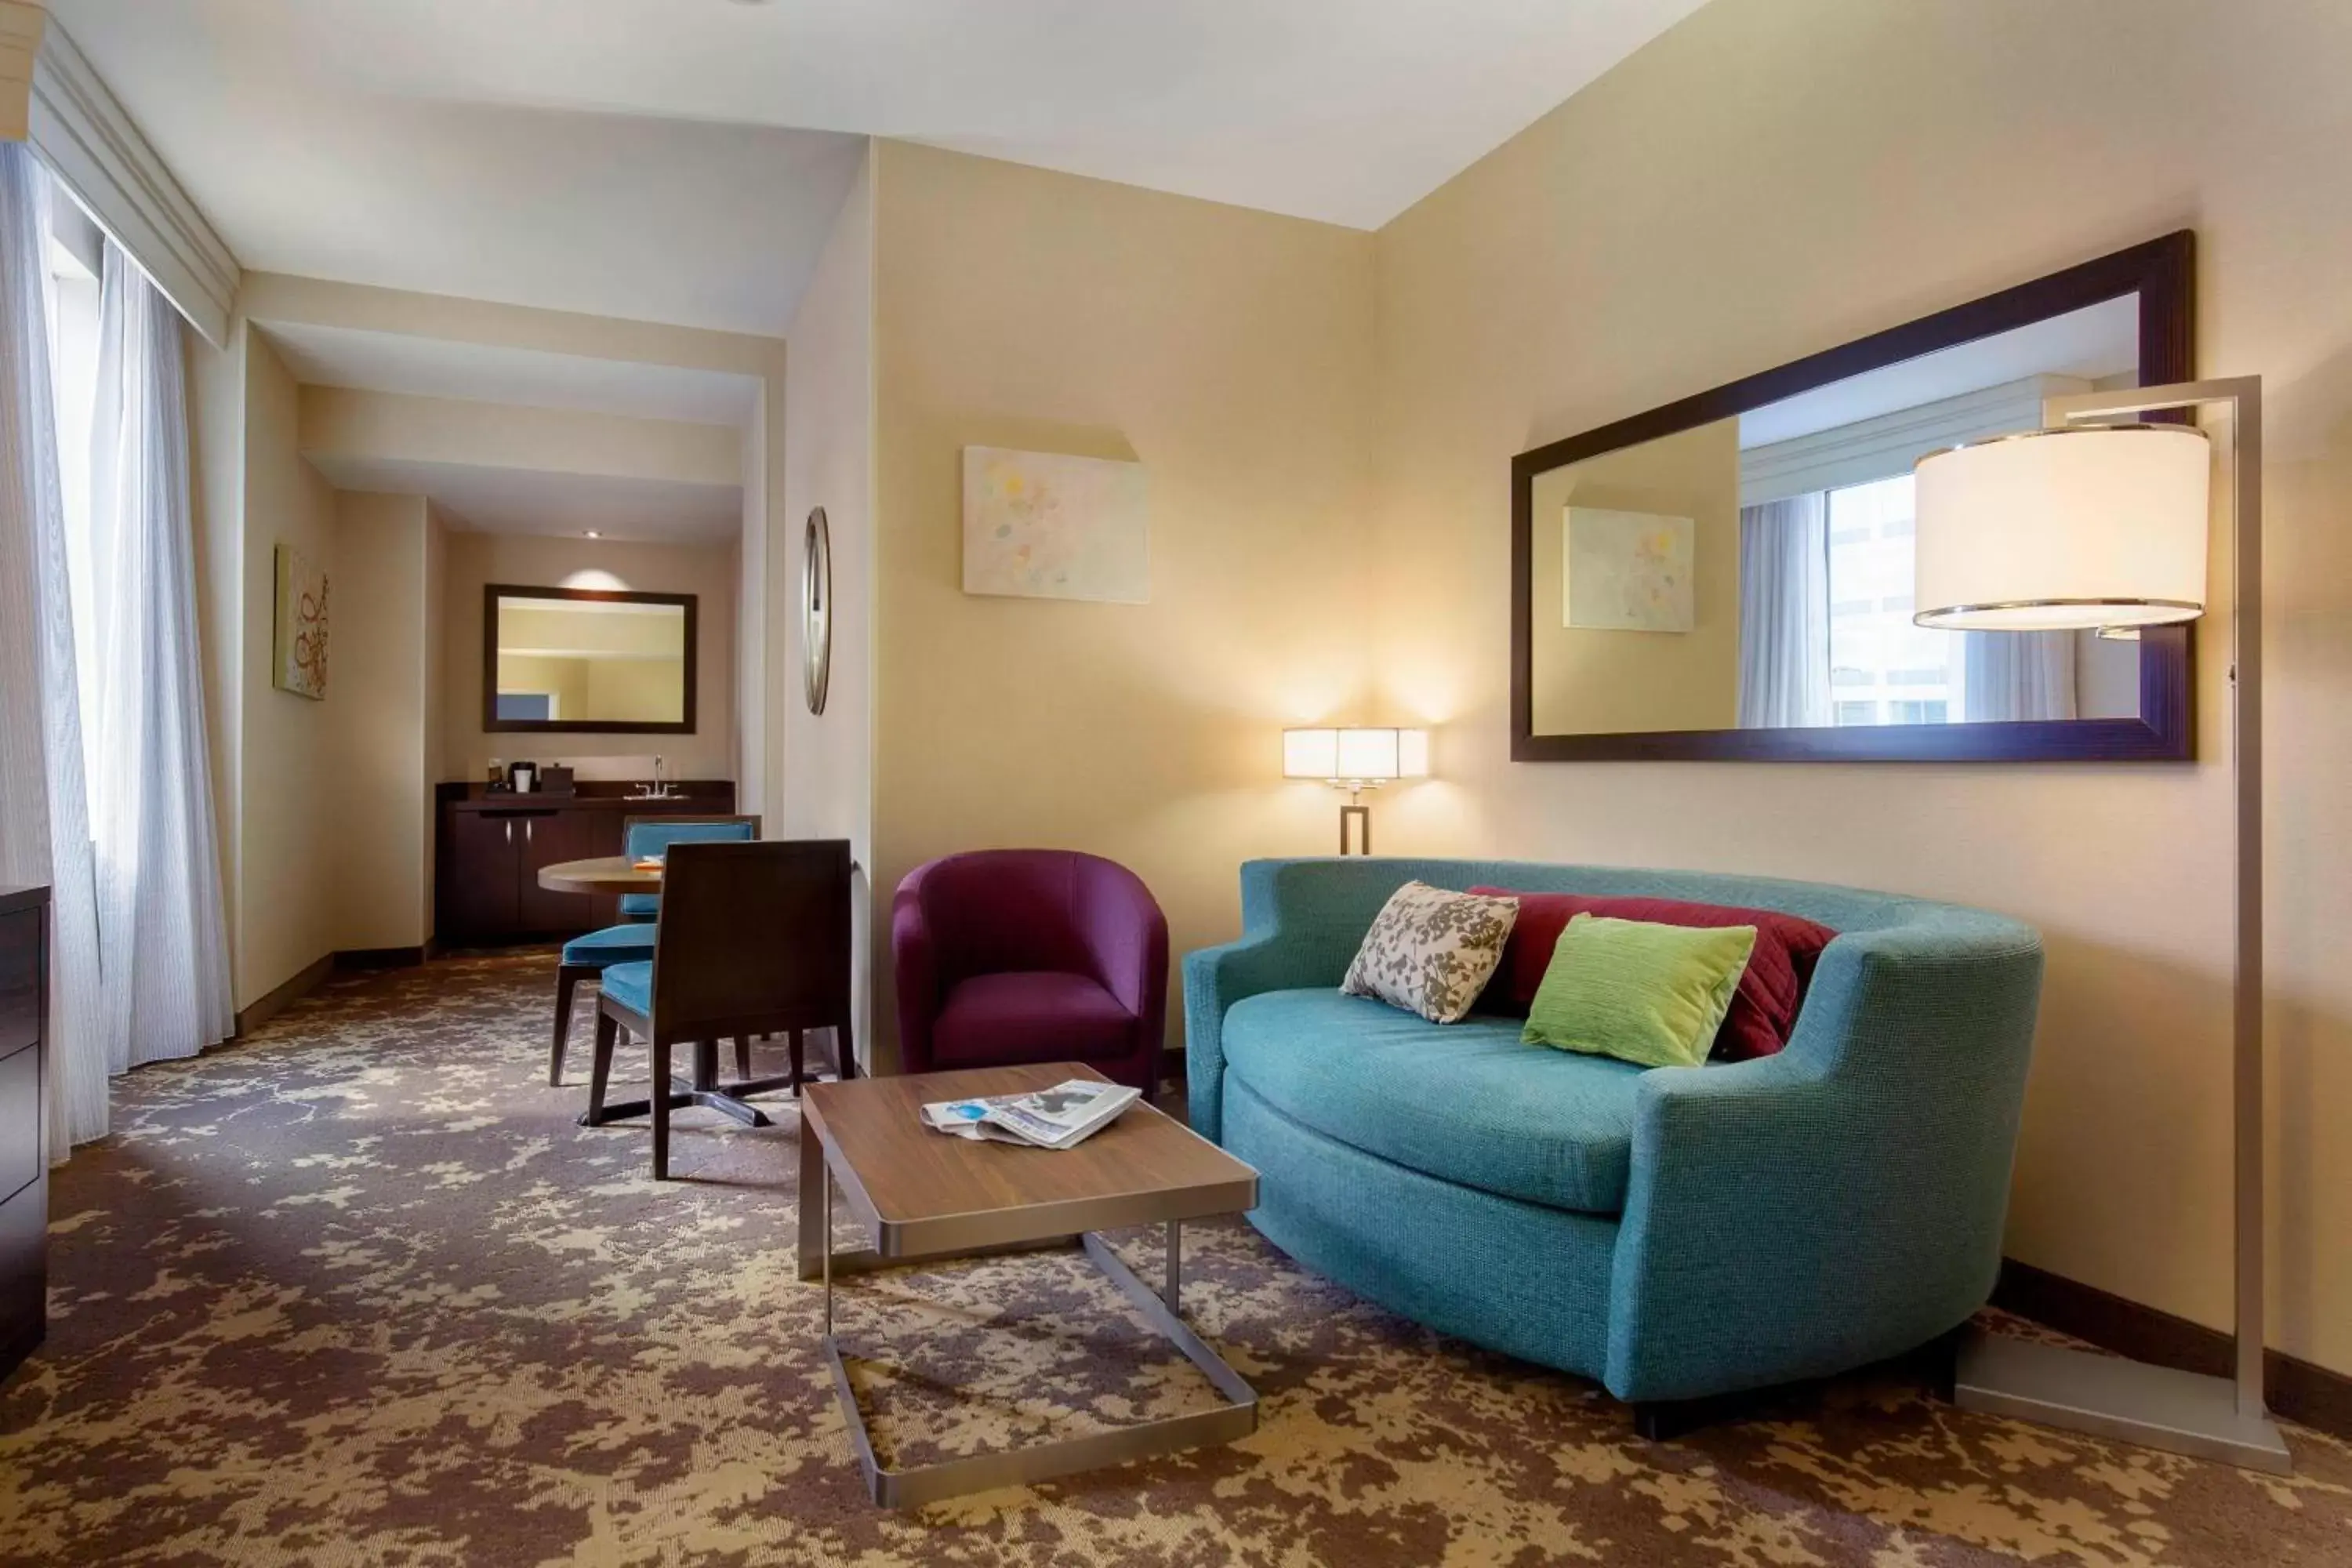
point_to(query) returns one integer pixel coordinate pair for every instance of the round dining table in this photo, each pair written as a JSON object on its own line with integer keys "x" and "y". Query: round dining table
{"x": 604, "y": 874}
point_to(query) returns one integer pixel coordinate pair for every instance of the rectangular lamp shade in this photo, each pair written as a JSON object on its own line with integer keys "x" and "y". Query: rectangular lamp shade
{"x": 1369, "y": 756}
{"x": 2096, "y": 525}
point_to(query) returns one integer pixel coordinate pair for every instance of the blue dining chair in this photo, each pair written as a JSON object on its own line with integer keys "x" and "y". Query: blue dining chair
{"x": 632, "y": 942}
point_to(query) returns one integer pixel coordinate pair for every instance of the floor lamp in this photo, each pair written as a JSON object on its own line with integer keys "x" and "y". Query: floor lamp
{"x": 2104, "y": 526}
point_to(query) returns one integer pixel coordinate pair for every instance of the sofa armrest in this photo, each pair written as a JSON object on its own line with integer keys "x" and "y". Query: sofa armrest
{"x": 1214, "y": 979}
{"x": 1844, "y": 1201}
{"x": 1302, "y": 921}
{"x": 914, "y": 966}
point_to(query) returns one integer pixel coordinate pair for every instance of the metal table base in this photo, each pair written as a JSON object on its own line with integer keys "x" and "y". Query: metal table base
{"x": 917, "y": 1485}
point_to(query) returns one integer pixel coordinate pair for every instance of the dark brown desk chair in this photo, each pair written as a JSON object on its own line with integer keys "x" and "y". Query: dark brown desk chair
{"x": 752, "y": 939}
{"x": 632, "y": 942}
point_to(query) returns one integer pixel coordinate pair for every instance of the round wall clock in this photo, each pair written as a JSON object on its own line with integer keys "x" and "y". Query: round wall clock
{"x": 816, "y": 607}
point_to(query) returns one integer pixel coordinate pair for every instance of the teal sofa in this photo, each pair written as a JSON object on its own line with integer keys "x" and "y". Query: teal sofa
{"x": 1677, "y": 1234}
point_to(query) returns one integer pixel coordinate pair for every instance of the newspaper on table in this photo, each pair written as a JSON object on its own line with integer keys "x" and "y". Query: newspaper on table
{"x": 1056, "y": 1117}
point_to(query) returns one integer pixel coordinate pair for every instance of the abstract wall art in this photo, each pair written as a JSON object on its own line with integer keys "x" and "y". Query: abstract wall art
{"x": 300, "y": 642}
{"x": 1044, "y": 526}
{"x": 1627, "y": 570}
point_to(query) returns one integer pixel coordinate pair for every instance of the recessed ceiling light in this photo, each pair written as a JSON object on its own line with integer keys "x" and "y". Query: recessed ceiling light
{"x": 592, "y": 534}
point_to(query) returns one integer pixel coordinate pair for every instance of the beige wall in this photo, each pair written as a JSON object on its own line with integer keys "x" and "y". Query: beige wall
{"x": 1774, "y": 176}
{"x": 437, "y": 689}
{"x": 1594, "y": 682}
{"x": 755, "y": 365}
{"x": 377, "y": 708}
{"x": 756, "y": 651}
{"x": 297, "y": 886}
{"x": 289, "y": 786}
{"x": 824, "y": 763}
{"x": 531, "y": 561}
{"x": 1231, "y": 351}
{"x": 377, "y": 426}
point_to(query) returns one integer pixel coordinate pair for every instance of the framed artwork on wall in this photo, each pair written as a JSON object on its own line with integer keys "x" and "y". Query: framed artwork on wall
{"x": 1627, "y": 570}
{"x": 1042, "y": 525}
{"x": 300, "y": 665}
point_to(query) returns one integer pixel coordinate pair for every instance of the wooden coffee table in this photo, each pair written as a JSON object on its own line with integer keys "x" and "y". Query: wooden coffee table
{"x": 926, "y": 1195}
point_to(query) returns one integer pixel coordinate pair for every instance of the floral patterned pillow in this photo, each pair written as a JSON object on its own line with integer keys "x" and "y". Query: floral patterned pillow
{"x": 1432, "y": 951}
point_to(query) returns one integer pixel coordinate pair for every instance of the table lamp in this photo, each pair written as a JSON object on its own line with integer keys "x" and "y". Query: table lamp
{"x": 1355, "y": 761}
{"x": 2102, "y": 527}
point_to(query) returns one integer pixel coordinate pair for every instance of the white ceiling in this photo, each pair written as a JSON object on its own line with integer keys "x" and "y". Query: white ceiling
{"x": 479, "y": 372}
{"x": 681, "y": 160}
{"x": 530, "y": 500}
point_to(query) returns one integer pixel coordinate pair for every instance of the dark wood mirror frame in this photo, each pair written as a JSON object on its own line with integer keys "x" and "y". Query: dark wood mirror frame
{"x": 2162, "y": 273}
{"x": 493, "y": 592}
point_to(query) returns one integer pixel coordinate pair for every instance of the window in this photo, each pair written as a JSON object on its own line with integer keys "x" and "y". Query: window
{"x": 75, "y": 253}
{"x": 1912, "y": 674}
{"x": 537, "y": 705}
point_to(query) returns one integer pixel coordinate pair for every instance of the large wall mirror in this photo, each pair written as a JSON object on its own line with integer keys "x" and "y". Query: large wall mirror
{"x": 573, "y": 660}
{"x": 1730, "y": 576}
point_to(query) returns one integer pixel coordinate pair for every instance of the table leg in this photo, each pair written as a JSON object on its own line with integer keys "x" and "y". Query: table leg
{"x": 1175, "y": 1264}
{"x": 921, "y": 1484}
{"x": 825, "y": 1211}
{"x": 815, "y": 1246}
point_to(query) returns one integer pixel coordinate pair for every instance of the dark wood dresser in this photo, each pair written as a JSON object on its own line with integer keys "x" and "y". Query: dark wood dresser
{"x": 24, "y": 1160}
{"x": 490, "y": 848}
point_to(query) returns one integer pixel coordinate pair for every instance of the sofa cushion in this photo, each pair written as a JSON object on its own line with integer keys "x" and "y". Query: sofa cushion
{"x": 1465, "y": 1102}
{"x": 1763, "y": 1009}
{"x": 1030, "y": 1016}
{"x": 1645, "y": 993}
{"x": 1430, "y": 951}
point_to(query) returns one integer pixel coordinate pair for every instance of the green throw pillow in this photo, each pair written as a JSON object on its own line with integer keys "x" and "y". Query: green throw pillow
{"x": 1650, "y": 994}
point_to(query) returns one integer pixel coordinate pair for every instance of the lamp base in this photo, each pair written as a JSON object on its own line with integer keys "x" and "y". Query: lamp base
{"x": 2108, "y": 1396}
{"x": 1364, "y": 819}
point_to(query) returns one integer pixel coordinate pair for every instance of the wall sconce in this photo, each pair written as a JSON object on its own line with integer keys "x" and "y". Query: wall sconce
{"x": 1355, "y": 761}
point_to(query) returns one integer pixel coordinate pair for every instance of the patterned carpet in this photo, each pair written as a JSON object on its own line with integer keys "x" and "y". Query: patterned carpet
{"x": 358, "y": 1291}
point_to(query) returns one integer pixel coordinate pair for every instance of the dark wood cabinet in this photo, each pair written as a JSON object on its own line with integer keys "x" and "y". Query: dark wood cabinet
{"x": 479, "y": 875}
{"x": 491, "y": 848}
{"x": 24, "y": 1159}
{"x": 548, "y": 837}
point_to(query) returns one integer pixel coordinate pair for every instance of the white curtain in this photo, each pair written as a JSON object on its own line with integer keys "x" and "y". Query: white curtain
{"x": 162, "y": 939}
{"x": 44, "y": 819}
{"x": 2018, "y": 675}
{"x": 1784, "y": 613}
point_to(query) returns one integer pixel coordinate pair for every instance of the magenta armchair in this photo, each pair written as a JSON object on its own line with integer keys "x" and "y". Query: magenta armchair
{"x": 1007, "y": 956}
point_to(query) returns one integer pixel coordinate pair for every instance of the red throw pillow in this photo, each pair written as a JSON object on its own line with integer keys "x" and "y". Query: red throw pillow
{"x": 1763, "y": 1010}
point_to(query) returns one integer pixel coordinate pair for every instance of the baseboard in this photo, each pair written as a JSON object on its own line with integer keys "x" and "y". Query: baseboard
{"x": 362, "y": 960}
{"x": 2297, "y": 1390}
{"x": 274, "y": 1002}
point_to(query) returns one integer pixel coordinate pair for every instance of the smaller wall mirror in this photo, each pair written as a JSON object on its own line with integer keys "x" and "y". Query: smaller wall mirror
{"x": 574, "y": 661}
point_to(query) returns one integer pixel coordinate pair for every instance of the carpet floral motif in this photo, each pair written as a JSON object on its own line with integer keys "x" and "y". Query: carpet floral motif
{"x": 357, "y": 1290}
